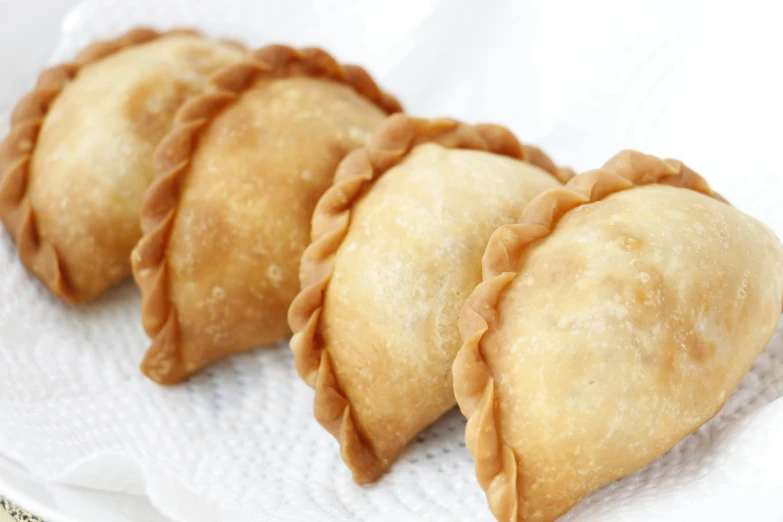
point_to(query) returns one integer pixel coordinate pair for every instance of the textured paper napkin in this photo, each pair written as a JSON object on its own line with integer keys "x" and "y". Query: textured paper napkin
{"x": 238, "y": 441}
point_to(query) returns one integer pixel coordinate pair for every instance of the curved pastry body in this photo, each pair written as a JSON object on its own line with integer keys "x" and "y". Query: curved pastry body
{"x": 228, "y": 217}
{"x": 93, "y": 158}
{"x": 622, "y": 330}
{"x": 242, "y": 218}
{"x": 411, "y": 256}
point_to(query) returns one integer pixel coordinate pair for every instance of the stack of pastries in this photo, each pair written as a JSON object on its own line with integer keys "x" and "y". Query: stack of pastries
{"x": 583, "y": 324}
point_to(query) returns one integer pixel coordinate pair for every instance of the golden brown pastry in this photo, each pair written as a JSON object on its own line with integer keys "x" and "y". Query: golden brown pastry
{"x": 397, "y": 245}
{"x": 613, "y": 320}
{"x": 228, "y": 216}
{"x": 75, "y": 165}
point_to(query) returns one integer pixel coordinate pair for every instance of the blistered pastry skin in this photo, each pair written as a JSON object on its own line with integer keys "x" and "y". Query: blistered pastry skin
{"x": 396, "y": 248}
{"x": 75, "y": 165}
{"x": 228, "y": 215}
{"x": 613, "y": 320}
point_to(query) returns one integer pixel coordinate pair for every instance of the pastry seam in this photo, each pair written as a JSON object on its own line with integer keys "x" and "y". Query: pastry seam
{"x": 474, "y": 385}
{"x": 390, "y": 144}
{"x": 16, "y": 151}
{"x": 163, "y": 362}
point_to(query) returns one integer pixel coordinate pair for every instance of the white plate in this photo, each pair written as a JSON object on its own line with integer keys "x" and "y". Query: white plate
{"x": 58, "y": 503}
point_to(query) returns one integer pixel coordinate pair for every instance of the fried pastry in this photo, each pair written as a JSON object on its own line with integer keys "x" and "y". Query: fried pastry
{"x": 78, "y": 159}
{"x": 613, "y": 320}
{"x": 396, "y": 250}
{"x": 228, "y": 216}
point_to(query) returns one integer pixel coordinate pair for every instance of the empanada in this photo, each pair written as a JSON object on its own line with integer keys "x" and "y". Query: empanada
{"x": 228, "y": 216}
{"x": 613, "y": 321}
{"x": 78, "y": 159}
{"x": 397, "y": 245}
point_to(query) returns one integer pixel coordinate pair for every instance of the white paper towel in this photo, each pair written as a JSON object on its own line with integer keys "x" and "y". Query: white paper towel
{"x": 238, "y": 442}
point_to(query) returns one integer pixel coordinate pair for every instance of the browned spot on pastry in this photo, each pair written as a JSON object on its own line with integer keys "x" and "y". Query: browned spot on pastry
{"x": 668, "y": 355}
{"x": 698, "y": 347}
{"x": 639, "y": 295}
{"x": 627, "y": 238}
{"x": 151, "y": 106}
{"x": 682, "y": 343}
{"x": 631, "y": 244}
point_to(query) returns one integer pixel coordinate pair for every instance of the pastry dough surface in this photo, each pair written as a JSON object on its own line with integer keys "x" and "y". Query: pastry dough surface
{"x": 244, "y": 212}
{"x": 410, "y": 258}
{"x": 624, "y": 330}
{"x": 93, "y": 159}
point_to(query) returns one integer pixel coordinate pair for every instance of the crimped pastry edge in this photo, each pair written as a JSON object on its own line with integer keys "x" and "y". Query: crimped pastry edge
{"x": 162, "y": 362}
{"x": 390, "y": 144}
{"x": 38, "y": 255}
{"x": 474, "y": 385}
